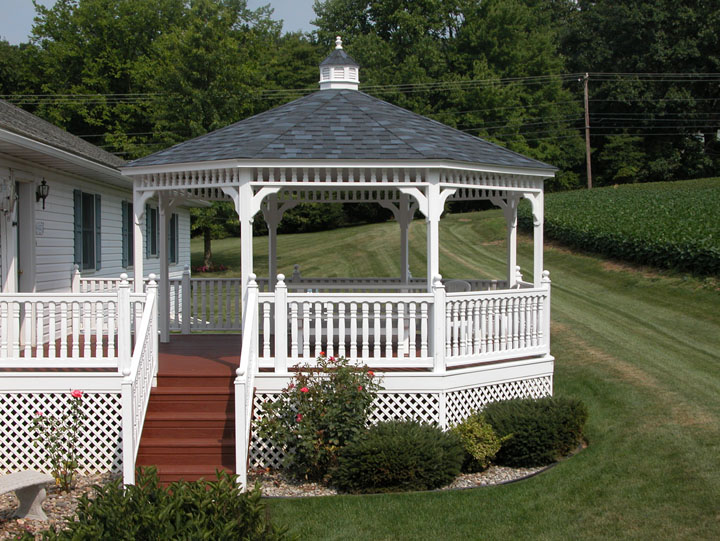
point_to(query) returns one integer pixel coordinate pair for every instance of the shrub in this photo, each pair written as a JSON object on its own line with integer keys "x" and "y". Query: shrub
{"x": 479, "y": 441}
{"x": 536, "y": 432}
{"x": 398, "y": 456}
{"x": 321, "y": 410}
{"x": 183, "y": 510}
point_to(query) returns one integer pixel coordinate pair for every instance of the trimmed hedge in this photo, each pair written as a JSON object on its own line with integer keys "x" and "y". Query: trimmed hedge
{"x": 184, "y": 510}
{"x": 398, "y": 456}
{"x": 664, "y": 224}
{"x": 536, "y": 432}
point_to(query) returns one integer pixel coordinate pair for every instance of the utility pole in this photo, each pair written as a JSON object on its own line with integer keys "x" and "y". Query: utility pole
{"x": 586, "y": 79}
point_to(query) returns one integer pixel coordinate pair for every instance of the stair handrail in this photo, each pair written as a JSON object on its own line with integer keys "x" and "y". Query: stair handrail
{"x": 139, "y": 376}
{"x": 245, "y": 380}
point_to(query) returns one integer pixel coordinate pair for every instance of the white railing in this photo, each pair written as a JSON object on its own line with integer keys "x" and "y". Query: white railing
{"x": 213, "y": 304}
{"x": 245, "y": 381}
{"x": 435, "y": 330}
{"x": 139, "y": 373}
{"x": 39, "y": 330}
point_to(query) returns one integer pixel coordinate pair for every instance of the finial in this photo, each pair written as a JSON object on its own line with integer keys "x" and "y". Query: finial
{"x": 338, "y": 42}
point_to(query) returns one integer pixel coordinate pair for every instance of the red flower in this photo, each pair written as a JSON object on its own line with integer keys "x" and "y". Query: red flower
{"x": 332, "y": 359}
{"x": 291, "y": 387}
{"x": 359, "y": 387}
{"x": 371, "y": 373}
{"x": 298, "y": 417}
{"x": 322, "y": 354}
{"x": 77, "y": 393}
{"x": 304, "y": 390}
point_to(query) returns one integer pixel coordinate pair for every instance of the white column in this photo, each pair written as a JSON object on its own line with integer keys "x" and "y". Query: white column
{"x": 138, "y": 239}
{"x": 272, "y": 218}
{"x": 244, "y": 206}
{"x": 404, "y": 218}
{"x": 537, "y": 201}
{"x": 435, "y": 208}
{"x": 164, "y": 286}
{"x": 510, "y": 211}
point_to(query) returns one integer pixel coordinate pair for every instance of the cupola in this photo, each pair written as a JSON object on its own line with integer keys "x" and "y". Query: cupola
{"x": 339, "y": 70}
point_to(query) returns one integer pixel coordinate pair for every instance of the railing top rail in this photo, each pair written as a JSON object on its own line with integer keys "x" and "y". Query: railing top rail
{"x": 250, "y": 312}
{"x": 198, "y": 279}
{"x": 354, "y": 297}
{"x": 142, "y": 331}
{"x": 524, "y": 292}
{"x": 51, "y": 297}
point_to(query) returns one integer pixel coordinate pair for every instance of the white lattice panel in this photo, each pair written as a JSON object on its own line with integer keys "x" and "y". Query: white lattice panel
{"x": 460, "y": 404}
{"x": 99, "y": 444}
{"x": 421, "y": 407}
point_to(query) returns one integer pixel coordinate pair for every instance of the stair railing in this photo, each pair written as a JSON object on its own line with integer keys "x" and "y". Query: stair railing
{"x": 139, "y": 375}
{"x": 245, "y": 381}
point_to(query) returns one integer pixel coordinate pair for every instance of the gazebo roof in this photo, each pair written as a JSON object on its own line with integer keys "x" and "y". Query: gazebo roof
{"x": 339, "y": 125}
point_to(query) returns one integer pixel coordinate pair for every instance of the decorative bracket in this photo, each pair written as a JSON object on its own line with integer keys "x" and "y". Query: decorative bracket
{"x": 139, "y": 201}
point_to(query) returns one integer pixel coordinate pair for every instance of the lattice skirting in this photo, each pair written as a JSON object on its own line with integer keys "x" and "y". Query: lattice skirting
{"x": 443, "y": 408}
{"x": 99, "y": 441}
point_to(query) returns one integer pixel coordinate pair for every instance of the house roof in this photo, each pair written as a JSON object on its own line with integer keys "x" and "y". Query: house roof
{"x": 15, "y": 120}
{"x": 339, "y": 125}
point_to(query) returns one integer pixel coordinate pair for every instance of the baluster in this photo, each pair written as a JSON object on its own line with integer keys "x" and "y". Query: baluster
{"x": 237, "y": 291}
{"x": 412, "y": 330}
{"x": 99, "y": 328}
{"x": 64, "y": 328}
{"x": 75, "y": 331}
{"x": 449, "y": 342}
{"x": 27, "y": 325}
{"x": 4, "y": 329}
{"x": 353, "y": 330}
{"x": 492, "y": 325}
{"x": 330, "y": 314}
{"x": 16, "y": 327}
{"x": 476, "y": 337}
{"x": 515, "y": 316}
{"x": 40, "y": 330}
{"x": 294, "y": 330}
{"x": 540, "y": 321}
{"x": 317, "y": 346}
{"x": 423, "y": 329}
{"x": 535, "y": 322}
{"x": 213, "y": 312}
{"x": 388, "y": 329}
{"x": 111, "y": 330}
{"x": 376, "y": 329}
{"x": 52, "y": 307}
{"x": 87, "y": 330}
{"x": 341, "y": 329}
{"x": 195, "y": 307}
{"x": 203, "y": 321}
{"x": 365, "y": 330}
{"x": 306, "y": 328}
{"x": 463, "y": 328}
{"x": 266, "y": 329}
{"x": 227, "y": 293}
{"x": 402, "y": 346}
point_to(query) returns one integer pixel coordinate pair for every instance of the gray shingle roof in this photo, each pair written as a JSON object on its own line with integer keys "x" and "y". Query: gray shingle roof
{"x": 339, "y": 124}
{"x": 339, "y": 58}
{"x": 15, "y": 120}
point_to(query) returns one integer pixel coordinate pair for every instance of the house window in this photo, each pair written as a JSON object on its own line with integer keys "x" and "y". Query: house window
{"x": 87, "y": 223}
{"x": 128, "y": 235}
{"x": 152, "y": 231}
{"x": 173, "y": 244}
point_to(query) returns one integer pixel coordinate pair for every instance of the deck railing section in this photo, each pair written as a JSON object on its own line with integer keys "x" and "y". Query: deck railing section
{"x": 41, "y": 330}
{"x": 245, "y": 381}
{"x": 140, "y": 372}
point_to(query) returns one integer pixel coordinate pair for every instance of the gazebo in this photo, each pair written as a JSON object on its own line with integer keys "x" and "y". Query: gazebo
{"x": 444, "y": 348}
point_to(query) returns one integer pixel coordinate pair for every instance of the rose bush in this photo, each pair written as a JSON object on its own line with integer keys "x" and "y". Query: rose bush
{"x": 322, "y": 409}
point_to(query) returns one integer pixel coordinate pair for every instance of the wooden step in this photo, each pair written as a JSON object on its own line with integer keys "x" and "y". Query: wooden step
{"x": 168, "y": 474}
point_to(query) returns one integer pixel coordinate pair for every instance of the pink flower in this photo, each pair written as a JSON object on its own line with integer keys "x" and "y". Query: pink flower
{"x": 359, "y": 387}
{"x": 38, "y": 414}
{"x": 304, "y": 390}
{"x": 298, "y": 417}
{"x": 77, "y": 393}
{"x": 332, "y": 359}
{"x": 291, "y": 387}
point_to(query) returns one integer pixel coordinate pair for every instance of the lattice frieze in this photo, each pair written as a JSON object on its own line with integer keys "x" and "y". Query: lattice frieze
{"x": 489, "y": 180}
{"x": 461, "y": 404}
{"x": 338, "y": 174}
{"x": 339, "y": 195}
{"x": 99, "y": 443}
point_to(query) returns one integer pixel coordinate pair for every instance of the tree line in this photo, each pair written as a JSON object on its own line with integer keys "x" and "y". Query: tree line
{"x": 136, "y": 76}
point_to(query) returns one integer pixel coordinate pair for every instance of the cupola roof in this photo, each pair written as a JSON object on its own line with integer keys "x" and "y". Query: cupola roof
{"x": 339, "y": 71}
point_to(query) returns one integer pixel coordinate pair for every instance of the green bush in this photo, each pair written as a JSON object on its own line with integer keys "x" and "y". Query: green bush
{"x": 398, "y": 456}
{"x": 479, "y": 441}
{"x": 664, "y": 224}
{"x": 183, "y": 510}
{"x": 318, "y": 413}
{"x": 536, "y": 432}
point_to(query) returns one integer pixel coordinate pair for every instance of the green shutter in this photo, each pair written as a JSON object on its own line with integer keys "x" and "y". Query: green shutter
{"x": 77, "y": 228}
{"x": 147, "y": 231}
{"x": 125, "y": 243}
{"x": 98, "y": 238}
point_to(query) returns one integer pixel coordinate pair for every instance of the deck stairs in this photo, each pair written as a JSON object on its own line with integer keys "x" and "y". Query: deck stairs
{"x": 190, "y": 422}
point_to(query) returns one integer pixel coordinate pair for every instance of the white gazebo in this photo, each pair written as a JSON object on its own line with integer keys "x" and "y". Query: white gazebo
{"x": 444, "y": 348}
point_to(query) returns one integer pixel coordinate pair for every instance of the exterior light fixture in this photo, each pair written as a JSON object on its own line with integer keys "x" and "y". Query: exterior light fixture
{"x": 42, "y": 192}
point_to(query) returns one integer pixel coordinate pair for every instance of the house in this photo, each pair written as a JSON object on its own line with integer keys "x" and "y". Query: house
{"x": 444, "y": 347}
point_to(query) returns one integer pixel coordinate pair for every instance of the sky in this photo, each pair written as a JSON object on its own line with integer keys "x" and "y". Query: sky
{"x": 17, "y": 16}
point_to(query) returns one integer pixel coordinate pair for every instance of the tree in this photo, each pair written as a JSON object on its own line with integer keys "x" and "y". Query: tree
{"x": 213, "y": 222}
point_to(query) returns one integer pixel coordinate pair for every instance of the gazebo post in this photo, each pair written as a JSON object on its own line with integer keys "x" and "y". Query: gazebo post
{"x": 272, "y": 218}
{"x": 432, "y": 220}
{"x": 510, "y": 212}
{"x": 164, "y": 289}
{"x": 405, "y": 214}
{"x": 244, "y": 207}
{"x": 537, "y": 201}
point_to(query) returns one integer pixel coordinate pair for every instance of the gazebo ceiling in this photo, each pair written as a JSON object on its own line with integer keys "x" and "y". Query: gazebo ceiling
{"x": 339, "y": 125}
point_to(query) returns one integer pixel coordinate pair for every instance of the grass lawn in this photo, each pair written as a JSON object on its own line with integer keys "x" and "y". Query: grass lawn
{"x": 640, "y": 347}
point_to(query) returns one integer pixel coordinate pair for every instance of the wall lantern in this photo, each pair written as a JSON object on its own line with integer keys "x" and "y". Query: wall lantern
{"x": 42, "y": 192}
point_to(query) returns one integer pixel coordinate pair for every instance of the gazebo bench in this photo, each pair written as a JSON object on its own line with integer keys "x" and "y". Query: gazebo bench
{"x": 29, "y": 487}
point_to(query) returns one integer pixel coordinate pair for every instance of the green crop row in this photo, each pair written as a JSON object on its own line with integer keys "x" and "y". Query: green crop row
{"x": 664, "y": 224}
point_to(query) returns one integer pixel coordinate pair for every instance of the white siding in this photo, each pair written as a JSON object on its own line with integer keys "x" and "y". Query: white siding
{"x": 54, "y": 253}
